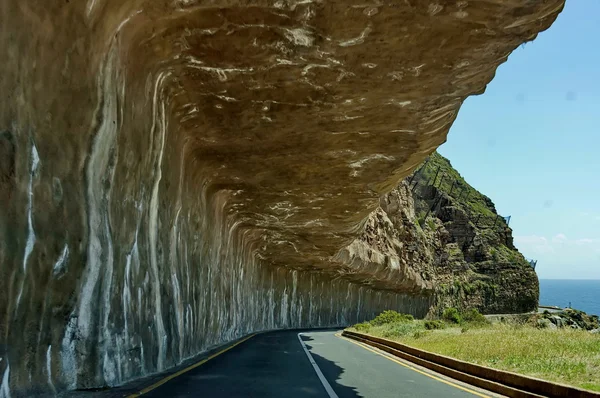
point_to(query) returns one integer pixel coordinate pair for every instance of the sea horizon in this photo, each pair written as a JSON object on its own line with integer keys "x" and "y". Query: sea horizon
{"x": 568, "y": 279}
{"x": 580, "y": 294}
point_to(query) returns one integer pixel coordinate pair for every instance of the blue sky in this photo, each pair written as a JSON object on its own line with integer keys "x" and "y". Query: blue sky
{"x": 531, "y": 143}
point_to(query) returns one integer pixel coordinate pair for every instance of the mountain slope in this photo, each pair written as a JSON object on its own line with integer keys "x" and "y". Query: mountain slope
{"x": 445, "y": 239}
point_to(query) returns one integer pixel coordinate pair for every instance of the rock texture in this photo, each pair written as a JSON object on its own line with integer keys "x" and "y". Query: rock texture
{"x": 567, "y": 318}
{"x": 176, "y": 174}
{"x": 437, "y": 235}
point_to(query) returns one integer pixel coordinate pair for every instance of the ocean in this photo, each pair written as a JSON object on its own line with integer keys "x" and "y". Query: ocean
{"x": 583, "y": 295}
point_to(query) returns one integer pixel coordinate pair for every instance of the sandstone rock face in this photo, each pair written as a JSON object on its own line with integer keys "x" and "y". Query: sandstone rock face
{"x": 177, "y": 174}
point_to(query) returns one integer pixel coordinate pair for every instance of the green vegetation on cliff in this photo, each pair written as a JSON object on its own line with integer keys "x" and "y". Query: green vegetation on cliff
{"x": 479, "y": 265}
{"x": 435, "y": 235}
{"x": 449, "y": 181}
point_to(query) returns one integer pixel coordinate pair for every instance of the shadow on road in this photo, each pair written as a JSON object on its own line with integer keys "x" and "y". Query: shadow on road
{"x": 332, "y": 372}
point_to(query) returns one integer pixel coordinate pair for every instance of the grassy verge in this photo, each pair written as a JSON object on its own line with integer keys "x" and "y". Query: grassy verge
{"x": 564, "y": 355}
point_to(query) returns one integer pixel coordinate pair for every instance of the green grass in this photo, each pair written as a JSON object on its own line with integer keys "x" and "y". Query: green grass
{"x": 562, "y": 355}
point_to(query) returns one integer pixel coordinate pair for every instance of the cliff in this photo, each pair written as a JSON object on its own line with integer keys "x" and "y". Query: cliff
{"x": 445, "y": 239}
{"x": 174, "y": 175}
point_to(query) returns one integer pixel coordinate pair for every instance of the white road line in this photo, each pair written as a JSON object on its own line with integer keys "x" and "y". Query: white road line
{"x": 324, "y": 381}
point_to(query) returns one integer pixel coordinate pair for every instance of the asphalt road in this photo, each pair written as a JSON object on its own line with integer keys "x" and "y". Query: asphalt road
{"x": 276, "y": 365}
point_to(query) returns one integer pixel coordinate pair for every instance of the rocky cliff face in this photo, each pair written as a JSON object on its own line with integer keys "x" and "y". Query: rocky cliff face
{"x": 445, "y": 239}
{"x": 177, "y": 174}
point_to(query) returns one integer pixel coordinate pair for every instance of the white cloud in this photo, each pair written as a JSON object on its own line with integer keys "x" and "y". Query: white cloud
{"x": 537, "y": 244}
{"x": 557, "y": 247}
{"x": 560, "y": 256}
{"x": 586, "y": 241}
{"x": 560, "y": 238}
{"x": 589, "y": 216}
{"x": 531, "y": 239}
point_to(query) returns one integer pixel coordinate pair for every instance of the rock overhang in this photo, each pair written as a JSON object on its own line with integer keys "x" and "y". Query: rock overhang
{"x": 299, "y": 115}
{"x": 290, "y": 117}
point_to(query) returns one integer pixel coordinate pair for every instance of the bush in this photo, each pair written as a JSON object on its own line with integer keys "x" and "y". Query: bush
{"x": 390, "y": 316}
{"x": 494, "y": 254}
{"x": 363, "y": 327}
{"x": 473, "y": 316}
{"x": 468, "y": 288}
{"x": 432, "y": 325}
{"x": 431, "y": 224}
{"x": 421, "y": 219}
{"x": 452, "y": 315}
{"x": 400, "y": 329}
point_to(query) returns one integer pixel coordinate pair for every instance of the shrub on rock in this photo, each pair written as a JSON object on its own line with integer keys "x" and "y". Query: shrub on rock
{"x": 452, "y": 315}
{"x": 432, "y": 325}
{"x": 363, "y": 327}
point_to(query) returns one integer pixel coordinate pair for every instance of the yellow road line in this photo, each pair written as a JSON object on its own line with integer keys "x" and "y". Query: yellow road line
{"x": 182, "y": 371}
{"x": 366, "y": 347}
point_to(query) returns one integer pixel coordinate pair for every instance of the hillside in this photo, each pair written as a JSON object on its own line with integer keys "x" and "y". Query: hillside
{"x": 448, "y": 241}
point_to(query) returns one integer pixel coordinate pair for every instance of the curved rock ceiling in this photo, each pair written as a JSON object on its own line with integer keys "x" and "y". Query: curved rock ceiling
{"x": 296, "y": 116}
{"x": 152, "y": 148}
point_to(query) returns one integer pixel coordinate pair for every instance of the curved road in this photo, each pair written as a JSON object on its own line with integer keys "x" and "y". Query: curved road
{"x": 276, "y": 364}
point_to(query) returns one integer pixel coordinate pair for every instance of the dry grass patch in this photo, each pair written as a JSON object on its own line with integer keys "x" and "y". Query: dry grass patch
{"x": 562, "y": 355}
